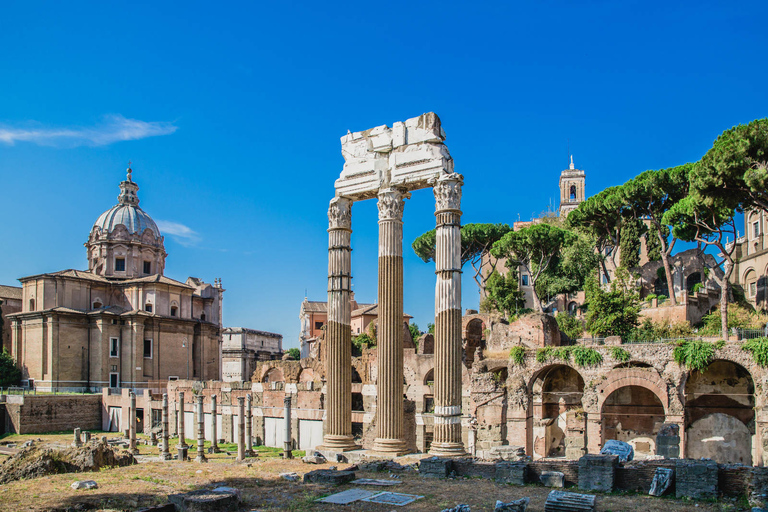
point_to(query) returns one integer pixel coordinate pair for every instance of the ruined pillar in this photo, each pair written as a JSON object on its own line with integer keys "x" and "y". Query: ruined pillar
{"x": 182, "y": 434}
{"x": 241, "y": 429}
{"x": 165, "y": 454}
{"x": 287, "y": 452}
{"x": 200, "y": 430}
{"x": 249, "y": 425}
{"x": 338, "y": 334}
{"x": 77, "y": 442}
{"x": 447, "y": 440}
{"x": 389, "y": 396}
{"x": 214, "y": 427}
{"x": 132, "y": 424}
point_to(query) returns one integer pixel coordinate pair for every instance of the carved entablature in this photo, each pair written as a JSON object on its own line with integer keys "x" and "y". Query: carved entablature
{"x": 391, "y": 204}
{"x": 447, "y": 191}
{"x": 405, "y": 156}
{"x": 340, "y": 213}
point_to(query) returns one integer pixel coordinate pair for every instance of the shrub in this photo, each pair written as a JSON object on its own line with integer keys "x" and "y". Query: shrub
{"x": 294, "y": 353}
{"x": 758, "y": 347}
{"x": 543, "y": 354}
{"x": 620, "y": 354}
{"x": 695, "y": 354}
{"x": 10, "y": 374}
{"x": 697, "y": 288}
{"x": 651, "y": 296}
{"x": 739, "y": 316}
{"x": 570, "y": 325}
{"x": 585, "y": 356}
{"x": 360, "y": 342}
{"x": 517, "y": 354}
{"x": 612, "y": 313}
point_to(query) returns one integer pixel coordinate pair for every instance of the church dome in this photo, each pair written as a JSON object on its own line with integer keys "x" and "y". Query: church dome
{"x": 127, "y": 212}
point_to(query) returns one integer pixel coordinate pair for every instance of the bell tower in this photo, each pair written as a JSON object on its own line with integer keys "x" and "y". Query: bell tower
{"x": 571, "y": 189}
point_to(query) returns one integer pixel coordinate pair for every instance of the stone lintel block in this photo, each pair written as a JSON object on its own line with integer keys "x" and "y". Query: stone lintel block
{"x": 204, "y": 500}
{"x": 435, "y": 467}
{"x": 696, "y": 479}
{"x": 329, "y": 476}
{"x": 552, "y": 478}
{"x": 575, "y": 442}
{"x": 511, "y": 472}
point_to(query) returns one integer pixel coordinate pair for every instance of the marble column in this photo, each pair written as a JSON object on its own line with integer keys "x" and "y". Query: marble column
{"x": 182, "y": 434}
{"x": 447, "y": 434}
{"x": 287, "y": 452}
{"x": 132, "y": 426}
{"x": 214, "y": 426}
{"x": 200, "y": 414}
{"x": 165, "y": 454}
{"x": 248, "y": 425}
{"x": 77, "y": 442}
{"x": 241, "y": 428}
{"x": 338, "y": 334}
{"x": 389, "y": 396}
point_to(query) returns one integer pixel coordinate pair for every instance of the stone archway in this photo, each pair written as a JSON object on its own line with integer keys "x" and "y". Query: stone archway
{"x": 633, "y": 414}
{"x": 556, "y": 422}
{"x": 720, "y": 414}
{"x": 273, "y": 375}
{"x": 474, "y": 341}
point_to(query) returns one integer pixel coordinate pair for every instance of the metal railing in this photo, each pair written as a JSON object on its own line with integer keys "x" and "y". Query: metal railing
{"x": 750, "y": 334}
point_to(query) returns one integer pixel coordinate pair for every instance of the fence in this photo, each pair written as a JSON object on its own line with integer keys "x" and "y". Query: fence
{"x": 750, "y": 334}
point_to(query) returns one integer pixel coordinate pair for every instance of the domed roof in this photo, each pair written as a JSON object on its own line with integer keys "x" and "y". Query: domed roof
{"x": 127, "y": 212}
{"x": 132, "y": 217}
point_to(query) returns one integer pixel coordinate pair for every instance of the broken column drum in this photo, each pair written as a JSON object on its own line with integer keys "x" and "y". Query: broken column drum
{"x": 165, "y": 454}
{"x": 200, "y": 430}
{"x": 447, "y": 434}
{"x": 338, "y": 424}
{"x": 248, "y": 425}
{"x": 77, "y": 441}
{"x": 214, "y": 432}
{"x": 241, "y": 429}
{"x": 387, "y": 164}
{"x": 389, "y": 386}
{"x": 132, "y": 424}
{"x": 182, "y": 434}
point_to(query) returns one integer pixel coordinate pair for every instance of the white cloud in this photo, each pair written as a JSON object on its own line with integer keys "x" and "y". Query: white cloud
{"x": 184, "y": 235}
{"x": 113, "y": 128}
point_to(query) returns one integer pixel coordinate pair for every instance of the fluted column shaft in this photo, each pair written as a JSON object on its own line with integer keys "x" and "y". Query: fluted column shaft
{"x": 214, "y": 427}
{"x": 200, "y": 430}
{"x": 165, "y": 454}
{"x": 447, "y": 432}
{"x": 241, "y": 429}
{"x": 338, "y": 333}
{"x": 389, "y": 337}
{"x": 182, "y": 434}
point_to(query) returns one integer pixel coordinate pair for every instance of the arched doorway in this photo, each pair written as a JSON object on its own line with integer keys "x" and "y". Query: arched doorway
{"x": 274, "y": 375}
{"x": 692, "y": 280}
{"x": 555, "y": 391}
{"x": 474, "y": 340}
{"x": 719, "y": 413}
{"x": 633, "y": 414}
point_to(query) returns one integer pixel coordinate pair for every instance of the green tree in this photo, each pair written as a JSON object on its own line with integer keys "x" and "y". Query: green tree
{"x": 294, "y": 354}
{"x": 710, "y": 223}
{"x": 614, "y": 312}
{"x": 629, "y": 253}
{"x": 533, "y": 248}
{"x": 601, "y": 216}
{"x": 415, "y": 332}
{"x": 734, "y": 172}
{"x": 503, "y": 293}
{"x": 10, "y": 374}
{"x": 570, "y": 268}
{"x": 431, "y": 328}
{"x": 476, "y": 242}
{"x": 649, "y": 196}
{"x": 652, "y": 243}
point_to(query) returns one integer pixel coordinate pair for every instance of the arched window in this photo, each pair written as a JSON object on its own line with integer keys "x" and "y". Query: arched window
{"x": 750, "y": 283}
{"x": 174, "y": 308}
{"x": 97, "y": 304}
{"x": 31, "y": 304}
{"x": 202, "y": 317}
{"x": 573, "y": 193}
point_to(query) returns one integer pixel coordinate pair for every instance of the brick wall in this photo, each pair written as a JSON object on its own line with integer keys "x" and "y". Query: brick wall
{"x": 40, "y": 414}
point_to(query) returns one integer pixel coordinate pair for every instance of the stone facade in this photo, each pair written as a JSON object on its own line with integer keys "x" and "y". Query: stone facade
{"x": 241, "y": 348}
{"x": 121, "y": 323}
{"x": 750, "y": 270}
{"x": 10, "y": 302}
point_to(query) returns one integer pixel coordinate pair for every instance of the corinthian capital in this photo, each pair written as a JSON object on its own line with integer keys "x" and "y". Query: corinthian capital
{"x": 340, "y": 213}
{"x": 391, "y": 204}
{"x": 447, "y": 191}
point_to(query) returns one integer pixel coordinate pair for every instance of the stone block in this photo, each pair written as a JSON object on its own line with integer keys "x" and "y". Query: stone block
{"x": 507, "y": 452}
{"x": 562, "y": 501}
{"x": 624, "y": 450}
{"x": 575, "y": 453}
{"x": 511, "y": 472}
{"x": 435, "y": 467}
{"x": 513, "y": 506}
{"x": 552, "y": 478}
{"x": 85, "y": 484}
{"x": 758, "y": 487}
{"x": 696, "y": 479}
{"x": 458, "y": 508}
{"x": 575, "y": 442}
{"x": 328, "y": 476}
{"x": 668, "y": 441}
{"x": 663, "y": 479}
{"x": 597, "y": 472}
{"x": 205, "y": 500}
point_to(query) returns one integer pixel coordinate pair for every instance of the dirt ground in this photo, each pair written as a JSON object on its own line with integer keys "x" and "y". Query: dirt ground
{"x": 149, "y": 483}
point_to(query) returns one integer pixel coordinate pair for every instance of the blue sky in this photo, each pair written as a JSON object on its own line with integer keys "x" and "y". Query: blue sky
{"x": 232, "y": 114}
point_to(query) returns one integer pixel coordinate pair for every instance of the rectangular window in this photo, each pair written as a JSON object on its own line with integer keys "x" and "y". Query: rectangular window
{"x": 753, "y": 289}
{"x": 114, "y": 347}
{"x": 147, "y": 267}
{"x": 119, "y": 264}
{"x": 756, "y": 229}
{"x": 148, "y": 308}
{"x": 114, "y": 380}
{"x": 148, "y": 349}
{"x": 524, "y": 279}
{"x": 318, "y": 325}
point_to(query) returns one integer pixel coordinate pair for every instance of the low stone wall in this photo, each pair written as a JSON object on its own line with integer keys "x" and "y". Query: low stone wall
{"x": 39, "y": 414}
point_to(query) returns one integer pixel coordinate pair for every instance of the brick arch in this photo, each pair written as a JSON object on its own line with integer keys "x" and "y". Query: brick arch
{"x": 466, "y": 320}
{"x": 644, "y": 378}
{"x": 538, "y": 374}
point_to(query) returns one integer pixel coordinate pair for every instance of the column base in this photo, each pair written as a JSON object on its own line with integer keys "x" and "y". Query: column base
{"x": 166, "y": 456}
{"x": 447, "y": 449}
{"x": 338, "y": 444}
{"x": 389, "y": 447}
{"x": 201, "y": 458}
